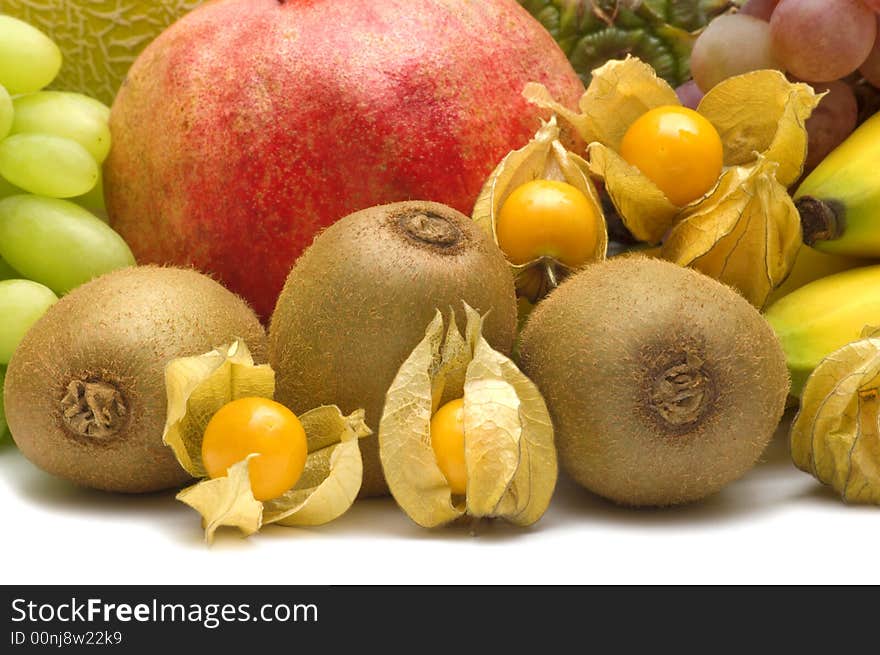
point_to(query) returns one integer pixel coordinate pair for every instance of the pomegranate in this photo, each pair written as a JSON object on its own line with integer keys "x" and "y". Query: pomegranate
{"x": 249, "y": 125}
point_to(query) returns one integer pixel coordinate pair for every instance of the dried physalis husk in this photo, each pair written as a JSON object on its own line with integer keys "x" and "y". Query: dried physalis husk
{"x": 619, "y": 93}
{"x": 543, "y": 158}
{"x": 509, "y": 450}
{"x": 746, "y": 234}
{"x": 762, "y": 113}
{"x": 836, "y": 434}
{"x": 327, "y": 488}
{"x": 760, "y": 118}
{"x": 642, "y": 206}
{"x": 197, "y": 387}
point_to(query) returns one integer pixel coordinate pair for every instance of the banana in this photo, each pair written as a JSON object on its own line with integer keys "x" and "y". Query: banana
{"x": 824, "y": 315}
{"x": 810, "y": 265}
{"x": 839, "y": 201}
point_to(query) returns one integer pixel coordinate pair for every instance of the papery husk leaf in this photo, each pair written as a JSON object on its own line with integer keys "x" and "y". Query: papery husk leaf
{"x": 538, "y": 95}
{"x": 334, "y": 470}
{"x": 326, "y": 489}
{"x": 408, "y": 461}
{"x": 545, "y": 158}
{"x": 516, "y": 434}
{"x": 619, "y": 93}
{"x": 492, "y": 429}
{"x": 746, "y": 233}
{"x": 492, "y": 434}
{"x": 509, "y": 449}
{"x": 836, "y": 434}
{"x": 529, "y": 493}
{"x": 762, "y": 112}
{"x": 196, "y": 387}
{"x": 644, "y": 209}
{"x": 226, "y": 501}
{"x": 517, "y": 168}
{"x": 447, "y": 379}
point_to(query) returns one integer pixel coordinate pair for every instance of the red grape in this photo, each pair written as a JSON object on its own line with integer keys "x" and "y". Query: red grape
{"x": 872, "y": 4}
{"x": 762, "y": 9}
{"x": 870, "y": 69}
{"x": 821, "y": 41}
{"x": 689, "y": 94}
{"x": 731, "y": 45}
{"x": 831, "y": 122}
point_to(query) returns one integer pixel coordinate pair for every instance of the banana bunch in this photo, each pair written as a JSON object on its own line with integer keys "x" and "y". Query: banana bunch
{"x": 823, "y": 316}
{"x": 839, "y": 201}
{"x": 827, "y": 318}
{"x": 823, "y": 306}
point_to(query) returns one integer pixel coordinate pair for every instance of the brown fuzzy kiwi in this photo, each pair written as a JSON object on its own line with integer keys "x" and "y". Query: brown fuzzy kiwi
{"x": 85, "y": 390}
{"x": 359, "y": 299}
{"x": 663, "y": 384}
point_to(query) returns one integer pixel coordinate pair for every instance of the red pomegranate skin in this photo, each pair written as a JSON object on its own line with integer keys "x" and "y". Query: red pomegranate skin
{"x": 250, "y": 125}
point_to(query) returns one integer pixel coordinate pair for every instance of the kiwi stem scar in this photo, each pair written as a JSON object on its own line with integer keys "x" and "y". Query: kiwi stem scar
{"x": 681, "y": 392}
{"x": 93, "y": 409}
{"x": 430, "y": 228}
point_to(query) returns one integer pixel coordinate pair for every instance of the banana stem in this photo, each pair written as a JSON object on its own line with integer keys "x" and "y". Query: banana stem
{"x": 821, "y": 220}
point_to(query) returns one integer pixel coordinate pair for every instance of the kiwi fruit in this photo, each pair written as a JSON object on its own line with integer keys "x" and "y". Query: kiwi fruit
{"x": 2, "y": 409}
{"x": 359, "y": 299}
{"x": 663, "y": 384}
{"x": 85, "y": 390}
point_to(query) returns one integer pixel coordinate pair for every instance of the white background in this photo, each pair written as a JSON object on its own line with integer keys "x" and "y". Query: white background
{"x": 776, "y": 525}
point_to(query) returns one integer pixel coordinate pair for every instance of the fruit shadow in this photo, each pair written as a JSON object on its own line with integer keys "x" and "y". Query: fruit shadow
{"x": 382, "y": 518}
{"x": 758, "y": 491}
{"x": 823, "y": 495}
{"x": 62, "y": 497}
{"x": 772, "y": 484}
{"x": 372, "y": 518}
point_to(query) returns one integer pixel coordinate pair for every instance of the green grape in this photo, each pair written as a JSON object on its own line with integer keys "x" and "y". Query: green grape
{"x": 47, "y": 165}
{"x": 66, "y": 114}
{"x": 92, "y": 200}
{"x": 58, "y": 243}
{"x": 7, "y": 272}
{"x": 3, "y": 425}
{"x": 8, "y": 189}
{"x": 29, "y": 60}
{"x": 22, "y": 303}
{"x": 6, "y": 112}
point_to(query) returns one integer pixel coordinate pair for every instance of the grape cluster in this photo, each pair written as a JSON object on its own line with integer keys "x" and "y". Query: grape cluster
{"x": 52, "y": 145}
{"x": 833, "y": 46}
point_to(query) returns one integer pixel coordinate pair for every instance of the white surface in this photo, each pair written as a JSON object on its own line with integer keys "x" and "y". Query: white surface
{"x": 776, "y": 525}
